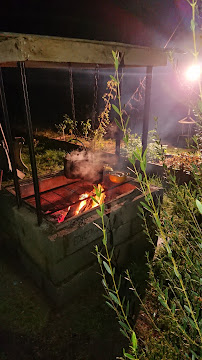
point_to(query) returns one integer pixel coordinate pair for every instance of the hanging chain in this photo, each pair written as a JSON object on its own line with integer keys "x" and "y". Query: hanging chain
{"x": 94, "y": 110}
{"x": 72, "y": 93}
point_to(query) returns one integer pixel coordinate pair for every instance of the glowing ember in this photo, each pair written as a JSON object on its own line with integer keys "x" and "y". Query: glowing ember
{"x": 86, "y": 203}
{"x": 63, "y": 214}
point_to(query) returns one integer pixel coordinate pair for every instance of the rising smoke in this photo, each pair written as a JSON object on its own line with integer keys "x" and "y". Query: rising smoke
{"x": 85, "y": 165}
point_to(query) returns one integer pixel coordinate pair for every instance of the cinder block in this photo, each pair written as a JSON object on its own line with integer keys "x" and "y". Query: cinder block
{"x": 74, "y": 263}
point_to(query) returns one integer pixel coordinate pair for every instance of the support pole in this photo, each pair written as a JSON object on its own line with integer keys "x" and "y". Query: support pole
{"x": 10, "y": 142}
{"x": 118, "y": 133}
{"x": 146, "y": 108}
{"x": 31, "y": 142}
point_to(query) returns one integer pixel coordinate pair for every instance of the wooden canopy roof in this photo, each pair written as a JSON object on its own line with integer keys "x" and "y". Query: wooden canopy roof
{"x": 46, "y": 51}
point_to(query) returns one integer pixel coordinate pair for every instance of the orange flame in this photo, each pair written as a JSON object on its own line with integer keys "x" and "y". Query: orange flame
{"x": 85, "y": 201}
{"x": 92, "y": 204}
{"x": 82, "y": 203}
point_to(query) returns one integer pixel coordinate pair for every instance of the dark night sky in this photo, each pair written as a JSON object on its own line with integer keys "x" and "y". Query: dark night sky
{"x": 143, "y": 22}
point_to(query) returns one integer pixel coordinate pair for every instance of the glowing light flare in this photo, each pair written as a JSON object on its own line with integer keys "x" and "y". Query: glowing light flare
{"x": 193, "y": 73}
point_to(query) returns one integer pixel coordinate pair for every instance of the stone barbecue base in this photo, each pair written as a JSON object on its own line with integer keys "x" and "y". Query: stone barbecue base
{"x": 59, "y": 258}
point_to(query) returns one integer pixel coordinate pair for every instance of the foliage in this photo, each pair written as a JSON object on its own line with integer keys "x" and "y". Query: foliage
{"x": 68, "y": 124}
{"x": 153, "y": 149}
{"x": 86, "y": 127}
{"x": 174, "y": 274}
{"x": 103, "y": 118}
{"x": 46, "y": 159}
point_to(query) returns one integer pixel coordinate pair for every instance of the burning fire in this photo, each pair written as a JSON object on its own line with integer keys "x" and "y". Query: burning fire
{"x": 86, "y": 202}
{"x": 82, "y": 203}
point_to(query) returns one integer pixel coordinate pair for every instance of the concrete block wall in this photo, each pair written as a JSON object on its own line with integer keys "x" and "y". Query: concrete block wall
{"x": 59, "y": 257}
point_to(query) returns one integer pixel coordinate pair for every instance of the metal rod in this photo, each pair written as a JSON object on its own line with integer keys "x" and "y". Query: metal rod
{"x": 10, "y": 142}
{"x": 146, "y": 108}
{"x": 31, "y": 142}
{"x": 52, "y": 189}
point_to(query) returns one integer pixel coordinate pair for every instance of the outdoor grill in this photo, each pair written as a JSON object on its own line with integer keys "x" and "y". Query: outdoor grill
{"x": 51, "y": 221}
{"x": 61, "y": 197}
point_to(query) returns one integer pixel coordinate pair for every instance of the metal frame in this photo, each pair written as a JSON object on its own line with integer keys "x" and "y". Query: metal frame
{"x": 18, "y": 48}
{"x": 31, "y": 142}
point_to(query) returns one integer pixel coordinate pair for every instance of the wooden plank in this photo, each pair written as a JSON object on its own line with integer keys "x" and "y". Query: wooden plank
{"x": 62, "y": 50}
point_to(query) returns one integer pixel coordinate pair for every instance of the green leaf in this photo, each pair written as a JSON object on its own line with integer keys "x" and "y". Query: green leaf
{"x": 128, "y": 118}
{"x": 114, "y": 298}
{"x": 97, "y": 191}
{"x": 125, "y": 139}
{"x": 124, "y": 325}
{"x": 116, "y": 109}
{"x": 114, "y": 54}
{"x": 113, "y": 78}
{"x": 173, "y": 308}
{"x": 146, "y": 206}
{"x": 136, "y": 155}
{"x": 123, "y": 332}
{"x": 199, "y": 206}
{"x": 107, "y": 267}
{"x": 140, "y": 177}
{"x": 157, "y": 220}
{"x": 176, "y": 272}
{"x": 187, "y": 308}
{"x": 110, "y": 305}
{"x": 118, "y": 123}
{"x": 142, "y": 165}
{"x": 116, "y": 63}
{"x": 140, "y": 210}
{"x": 102, "y": 208}
{"x": 99, "y": 212}
{"x": 134, "y": 341}
{"x": 129, "y": 356}
{"x": 162, "y": 302}
{"x": 94, "y": 199}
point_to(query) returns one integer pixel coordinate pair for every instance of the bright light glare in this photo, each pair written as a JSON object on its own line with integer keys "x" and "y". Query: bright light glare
{"x": 193, "y": 73}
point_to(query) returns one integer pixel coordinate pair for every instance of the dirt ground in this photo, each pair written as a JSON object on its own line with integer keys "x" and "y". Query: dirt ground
{"x": 32, "y": 328}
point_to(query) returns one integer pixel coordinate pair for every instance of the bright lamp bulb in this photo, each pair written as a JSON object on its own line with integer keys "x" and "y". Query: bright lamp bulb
{"x": 193, "y": 73}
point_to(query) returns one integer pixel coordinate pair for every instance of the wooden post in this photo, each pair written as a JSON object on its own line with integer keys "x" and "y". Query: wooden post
{"x": 146, "y": 108}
